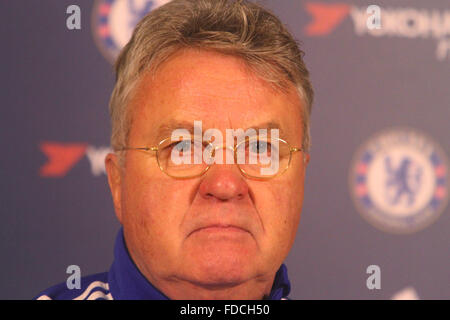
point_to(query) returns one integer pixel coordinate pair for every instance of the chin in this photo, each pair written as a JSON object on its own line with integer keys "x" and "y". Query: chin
{"x": 222, "y": 265}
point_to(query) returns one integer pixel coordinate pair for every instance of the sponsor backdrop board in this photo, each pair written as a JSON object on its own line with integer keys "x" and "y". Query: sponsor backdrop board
{"x": 377, "y": 184}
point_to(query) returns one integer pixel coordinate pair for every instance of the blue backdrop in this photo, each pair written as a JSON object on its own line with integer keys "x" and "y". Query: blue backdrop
{"x": 55, "y": 87}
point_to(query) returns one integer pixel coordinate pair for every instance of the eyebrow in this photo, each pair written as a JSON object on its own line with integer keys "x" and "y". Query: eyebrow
{"x": 165, "y": 130}
{"x": 269, "y": 125}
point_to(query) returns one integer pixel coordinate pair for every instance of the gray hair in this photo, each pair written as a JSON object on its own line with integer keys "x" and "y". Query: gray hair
{"x": 236, "y": 27}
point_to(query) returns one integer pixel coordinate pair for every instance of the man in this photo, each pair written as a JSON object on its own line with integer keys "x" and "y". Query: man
{"x": 202, "y": 229}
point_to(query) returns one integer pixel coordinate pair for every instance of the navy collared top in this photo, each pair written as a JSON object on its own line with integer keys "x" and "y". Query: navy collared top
{"x": 124, "y": 281}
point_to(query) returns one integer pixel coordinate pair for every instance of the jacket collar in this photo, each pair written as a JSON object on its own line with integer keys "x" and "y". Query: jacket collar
{"x": 126, "y": 282}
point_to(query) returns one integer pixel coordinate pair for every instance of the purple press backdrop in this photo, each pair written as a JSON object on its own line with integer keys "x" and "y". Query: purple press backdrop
{"x": 56, "y": 207}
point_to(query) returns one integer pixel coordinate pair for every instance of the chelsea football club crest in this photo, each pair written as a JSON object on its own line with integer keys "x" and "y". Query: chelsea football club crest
{"x": 399, "y": 180}
{"x": 113, "y": 22}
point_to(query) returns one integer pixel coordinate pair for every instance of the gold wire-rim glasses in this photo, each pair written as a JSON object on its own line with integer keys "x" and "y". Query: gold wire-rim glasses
{"x": 214, "y": 148}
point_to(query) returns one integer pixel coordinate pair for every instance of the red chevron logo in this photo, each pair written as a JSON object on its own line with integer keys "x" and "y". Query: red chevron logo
{"x": 326, "y": 17}
{"x": 61, "y": 157}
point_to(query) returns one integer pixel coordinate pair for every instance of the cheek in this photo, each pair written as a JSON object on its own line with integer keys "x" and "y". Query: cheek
{"x": 154, "y": 208}
{"x": 280, "y": 212}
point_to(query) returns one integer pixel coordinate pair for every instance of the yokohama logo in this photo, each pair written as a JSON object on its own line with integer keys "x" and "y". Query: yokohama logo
{"x": 62, "y": 157}
{"x": 403, "y": 22}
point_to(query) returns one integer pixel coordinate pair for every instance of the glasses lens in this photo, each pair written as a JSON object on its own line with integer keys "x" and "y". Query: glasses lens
{"x": 263, "y": 157}
{"x": 182, "y": 157}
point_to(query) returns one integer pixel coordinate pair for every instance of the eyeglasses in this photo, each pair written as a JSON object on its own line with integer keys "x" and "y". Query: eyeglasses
{"x": 256, "y": 157}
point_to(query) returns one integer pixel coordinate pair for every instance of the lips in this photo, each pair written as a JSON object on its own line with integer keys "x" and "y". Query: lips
{"x": 220, "y": 228}
{"x": 226, "y": 219}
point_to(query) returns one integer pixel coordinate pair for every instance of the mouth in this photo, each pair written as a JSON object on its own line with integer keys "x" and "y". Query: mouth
{"x": 220, "y": 229}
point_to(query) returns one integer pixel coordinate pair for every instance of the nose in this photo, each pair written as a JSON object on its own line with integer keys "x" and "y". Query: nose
{"x": 224, "y": 183}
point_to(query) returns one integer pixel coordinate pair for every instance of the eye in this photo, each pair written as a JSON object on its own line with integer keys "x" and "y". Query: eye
{"x": 182, "y": 146}
{"x": 259, "y": 146}
{"x": 187, "y": 146}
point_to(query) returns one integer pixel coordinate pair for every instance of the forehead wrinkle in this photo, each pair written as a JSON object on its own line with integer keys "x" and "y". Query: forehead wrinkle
{"x": 241, "y": 86}
{"x": 228, "y": 91}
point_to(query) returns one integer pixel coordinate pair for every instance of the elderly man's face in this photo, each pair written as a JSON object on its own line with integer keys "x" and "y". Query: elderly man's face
{"x": 162, "y": 216}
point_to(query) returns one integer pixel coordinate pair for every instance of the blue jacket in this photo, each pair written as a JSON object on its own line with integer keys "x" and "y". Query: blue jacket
{"x": 125, "y": 281}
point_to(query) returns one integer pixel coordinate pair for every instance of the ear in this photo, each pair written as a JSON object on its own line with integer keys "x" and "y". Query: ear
{"x": 114, "y": 172}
